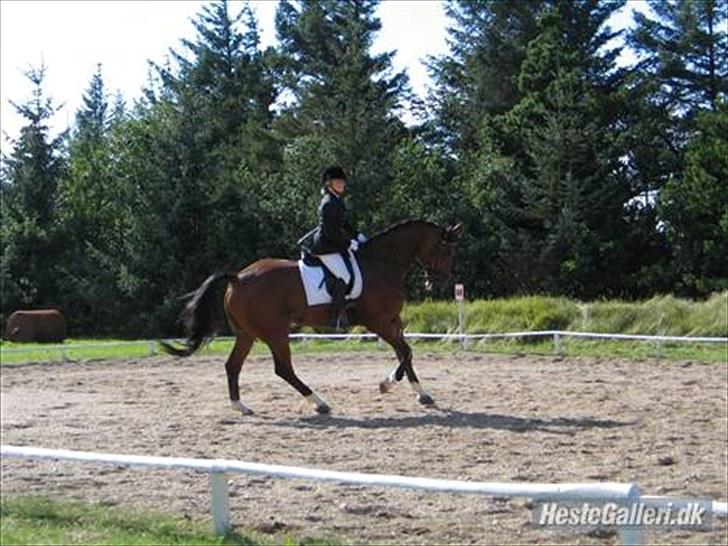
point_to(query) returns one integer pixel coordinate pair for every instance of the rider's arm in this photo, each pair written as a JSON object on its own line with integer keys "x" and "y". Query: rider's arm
{"x": 333, "y": 224}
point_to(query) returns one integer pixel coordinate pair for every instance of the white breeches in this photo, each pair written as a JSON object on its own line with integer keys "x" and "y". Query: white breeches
{"x": 335, "y": 264}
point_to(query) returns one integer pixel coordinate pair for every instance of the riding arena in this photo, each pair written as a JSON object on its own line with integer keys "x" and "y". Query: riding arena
{"x": 496, "y": 418}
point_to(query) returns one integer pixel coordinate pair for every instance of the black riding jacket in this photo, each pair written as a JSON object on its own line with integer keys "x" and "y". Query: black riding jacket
{"x": 334, "y": 231}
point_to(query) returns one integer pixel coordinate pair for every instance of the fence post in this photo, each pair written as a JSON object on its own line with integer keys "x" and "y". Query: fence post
{"x": 220, "y": 502}
{"x": 152, "y": 347}
{"x": 558, "y": 349}
{"x": 632, "y": 536}
{"x": 461, "y": 325}
{"x": 660, "y": 344}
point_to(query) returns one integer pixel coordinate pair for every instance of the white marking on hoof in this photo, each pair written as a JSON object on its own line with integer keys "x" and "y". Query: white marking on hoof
{"x": 422, "y": 396}
{"x": 242, "y": 408}
{"x": 389, "y": 382}
{"x": 417, "y": 387}
{"x": 318, "y": 403}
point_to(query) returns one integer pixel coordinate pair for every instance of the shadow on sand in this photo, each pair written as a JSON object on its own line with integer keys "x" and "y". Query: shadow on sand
{"x": 450, "y": 418}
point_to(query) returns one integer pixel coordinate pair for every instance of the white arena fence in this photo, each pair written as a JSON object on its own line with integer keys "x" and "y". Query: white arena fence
{"x": 465, "y": 339}
{"x": 219, "y": 468}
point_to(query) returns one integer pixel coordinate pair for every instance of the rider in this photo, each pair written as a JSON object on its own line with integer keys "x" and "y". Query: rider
{"x": 333, "y": 237}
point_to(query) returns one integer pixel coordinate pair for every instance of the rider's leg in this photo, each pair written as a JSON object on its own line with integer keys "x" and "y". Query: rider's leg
{"x": 339, "y": 320}
{"x": 335, "y": 265}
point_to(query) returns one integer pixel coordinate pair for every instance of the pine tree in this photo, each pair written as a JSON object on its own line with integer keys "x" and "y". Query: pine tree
{"x": 191, "y": 160}
{"x": 682, "y": 73}
{"x": 543, "y": 175}
{"x": 488, "y": 43}
{"x": 693, "y": 208}
{"x": 684, "y": 50}
{"x": 474, "y": 86}
{"x": 89, "y": 176}
{"x": 31, "y": 237}
{"x": 90, "y": 211}
{"x": 683, "y": 69}
{"x": 342, "y": 108}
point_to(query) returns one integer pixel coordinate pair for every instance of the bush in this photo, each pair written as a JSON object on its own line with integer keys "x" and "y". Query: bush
{"x": 663, "y": 315}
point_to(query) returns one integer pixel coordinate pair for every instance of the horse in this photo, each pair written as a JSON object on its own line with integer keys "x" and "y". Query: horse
{"x": 266, "y": 298}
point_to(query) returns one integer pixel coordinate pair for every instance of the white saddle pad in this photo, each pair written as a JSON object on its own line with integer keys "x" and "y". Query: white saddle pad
{"x": 315, "y": 288}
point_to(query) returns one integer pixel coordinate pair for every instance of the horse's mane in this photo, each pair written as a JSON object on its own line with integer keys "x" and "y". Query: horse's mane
{"x": 398, "y": 226}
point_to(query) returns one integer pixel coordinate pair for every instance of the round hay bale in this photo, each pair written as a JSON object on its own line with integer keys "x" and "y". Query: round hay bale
{"x": 40, "y": 325}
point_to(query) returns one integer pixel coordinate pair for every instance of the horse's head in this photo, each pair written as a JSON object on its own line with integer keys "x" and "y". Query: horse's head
{"x": 437, "y": 253}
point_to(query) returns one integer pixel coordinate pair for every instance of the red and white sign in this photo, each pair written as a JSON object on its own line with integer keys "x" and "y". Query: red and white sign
{"x": 459, "y": 292}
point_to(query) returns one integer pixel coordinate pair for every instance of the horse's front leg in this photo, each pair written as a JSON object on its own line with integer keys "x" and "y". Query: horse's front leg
{"x": 395, "y": 337}
{"x": 397, "y": 372}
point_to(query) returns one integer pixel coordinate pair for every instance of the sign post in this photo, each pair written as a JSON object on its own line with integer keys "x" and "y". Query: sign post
{"x": 460, "y": 297}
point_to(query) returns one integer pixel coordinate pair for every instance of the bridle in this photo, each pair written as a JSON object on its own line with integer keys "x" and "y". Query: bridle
{"x": 433, "y": 274}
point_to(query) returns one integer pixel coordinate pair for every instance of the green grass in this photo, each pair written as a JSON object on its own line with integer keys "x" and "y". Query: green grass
{"x": 663, "y": 315}
{"x": 703, "y": 352}
{"x": 39, "y": 520}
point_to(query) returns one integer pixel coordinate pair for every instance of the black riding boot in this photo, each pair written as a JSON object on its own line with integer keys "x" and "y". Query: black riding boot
{"x": 339, "y": 320}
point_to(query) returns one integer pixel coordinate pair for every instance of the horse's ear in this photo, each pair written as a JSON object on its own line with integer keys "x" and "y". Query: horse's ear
{"x": 454, "y": 232}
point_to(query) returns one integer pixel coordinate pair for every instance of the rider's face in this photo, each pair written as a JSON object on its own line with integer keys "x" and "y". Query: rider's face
{"x": 338, "y": 185}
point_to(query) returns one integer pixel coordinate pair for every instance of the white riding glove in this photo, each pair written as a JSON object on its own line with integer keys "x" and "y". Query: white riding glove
{"x": 353, "y": 245}
{"x": 361, "y": 238}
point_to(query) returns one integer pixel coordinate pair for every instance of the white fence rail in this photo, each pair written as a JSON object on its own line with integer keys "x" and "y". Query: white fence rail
{"x": 217, "y": 469}
{"x": 464, "y": 339}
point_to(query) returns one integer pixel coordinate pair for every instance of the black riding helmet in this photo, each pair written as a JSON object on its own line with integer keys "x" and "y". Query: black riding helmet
{"x": 333, "y": 173}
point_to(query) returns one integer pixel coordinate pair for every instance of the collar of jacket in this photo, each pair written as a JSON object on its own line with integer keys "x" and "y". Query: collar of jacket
{"x": 332, "y": 193}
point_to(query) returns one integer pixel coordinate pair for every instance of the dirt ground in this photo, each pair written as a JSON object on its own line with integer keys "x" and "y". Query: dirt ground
{"x": 498, "y": 418}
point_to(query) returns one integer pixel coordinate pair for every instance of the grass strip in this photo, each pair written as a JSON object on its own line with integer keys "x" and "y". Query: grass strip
{"x": 108, "y": 350}
{"x": 26, "y": 520}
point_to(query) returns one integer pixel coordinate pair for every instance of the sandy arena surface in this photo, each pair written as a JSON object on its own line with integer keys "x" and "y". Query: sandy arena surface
{"x": 498, "y": 418}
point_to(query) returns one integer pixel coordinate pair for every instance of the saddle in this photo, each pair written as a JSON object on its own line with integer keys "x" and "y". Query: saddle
{"x": 329, "y": 279}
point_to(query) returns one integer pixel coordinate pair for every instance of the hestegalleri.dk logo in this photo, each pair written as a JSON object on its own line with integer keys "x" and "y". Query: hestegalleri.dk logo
{"x": 673, "y": 513}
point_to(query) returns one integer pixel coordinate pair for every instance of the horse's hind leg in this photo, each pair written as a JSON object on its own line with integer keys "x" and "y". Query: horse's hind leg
{"x": 284, "y": 369}
{"x": 394, "y": 335}
{"x": 234, "y": 364}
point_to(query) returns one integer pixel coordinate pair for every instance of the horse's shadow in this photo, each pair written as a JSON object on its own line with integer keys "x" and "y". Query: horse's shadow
{"x": 450, "y": 418}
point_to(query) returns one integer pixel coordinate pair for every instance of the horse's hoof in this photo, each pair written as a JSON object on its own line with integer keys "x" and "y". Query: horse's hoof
{"x": 385, "y": 386}
{"x": 425, "y": 399}
{"x": 242, "y": 408}
{"x": 323, "y": 409}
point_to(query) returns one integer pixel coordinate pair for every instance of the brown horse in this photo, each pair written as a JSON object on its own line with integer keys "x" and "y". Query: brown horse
{"x": 267, "y": 297}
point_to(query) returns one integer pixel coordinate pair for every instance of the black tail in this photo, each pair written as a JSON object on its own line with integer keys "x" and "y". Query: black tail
{"x": 200, "y": 316}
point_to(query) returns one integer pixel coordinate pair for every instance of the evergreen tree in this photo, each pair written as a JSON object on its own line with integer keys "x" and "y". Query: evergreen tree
{"x": 191, "y": 161}
{"x": 683, "y": 69}
{"x": 474, "y": 85}
{"x": 342, "y": 108}
{"x": 573, "y": 187}
{"x": 684, "y": 50}
{"x": 545, "y": 176}
{"x": 488, "y": 43}
{"x": 682, "y": 72}
{"x": 694, "y": 208}
{"x": 89, "y": 212}
{"x": 31, "y": 237}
